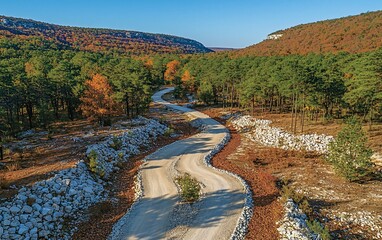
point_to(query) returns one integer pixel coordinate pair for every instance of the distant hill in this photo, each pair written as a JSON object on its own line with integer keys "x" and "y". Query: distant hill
{"x": 354, "y": 34}
{"x": 220, "y": 49}
{"x": 96, "y": 39}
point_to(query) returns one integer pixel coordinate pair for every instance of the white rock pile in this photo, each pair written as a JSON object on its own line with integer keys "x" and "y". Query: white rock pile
{"x": 117, "y": 149}
{"x": 293, "y": 225}
{"x": 38, "y": 212}
{"x": 260, "y": 131}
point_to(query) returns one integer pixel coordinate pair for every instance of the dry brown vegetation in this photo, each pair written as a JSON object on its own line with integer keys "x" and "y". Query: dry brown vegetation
{"x": 354, "y": 34}
{"x": 267, "y": 209}
{"x": 98, "y": 40}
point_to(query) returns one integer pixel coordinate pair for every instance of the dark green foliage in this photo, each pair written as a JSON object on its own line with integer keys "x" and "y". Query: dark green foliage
{"x": 116, "y": 143}
{"x": 190, "y": 188}
{"x": 41, "y": 84}
{"x": 94, "y": 165}
{"x": 316, "y": 227}
{"x": 349, "y": 154}
{"x": 364, "y": 93}
{"x": 310, "y": 87}
{"x": 92, "y": 157}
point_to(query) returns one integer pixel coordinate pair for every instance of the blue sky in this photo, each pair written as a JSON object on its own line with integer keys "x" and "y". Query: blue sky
{"x": 215, "y": 23}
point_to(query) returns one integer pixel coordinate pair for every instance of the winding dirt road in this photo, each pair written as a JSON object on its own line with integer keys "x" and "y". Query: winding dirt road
{"x": 156, "y": 216}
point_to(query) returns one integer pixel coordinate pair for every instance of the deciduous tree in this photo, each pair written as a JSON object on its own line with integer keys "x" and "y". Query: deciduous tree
{"x": 97, "y": 100}
{"x": 172, "y": 71}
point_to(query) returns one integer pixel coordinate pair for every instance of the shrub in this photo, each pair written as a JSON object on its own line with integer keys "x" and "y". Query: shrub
{"x": 120, "y": 160}
{"x": 116, "y": 143}
{"x": 349, "y": 154}
{"x": 316, "y": 227}
{"x": 93, "y": 164}
{"x": 190, "y": 188}
{"x": 287, "y": 192}
{"x": 13, "y": 166}
{"x": 168, "y": 132}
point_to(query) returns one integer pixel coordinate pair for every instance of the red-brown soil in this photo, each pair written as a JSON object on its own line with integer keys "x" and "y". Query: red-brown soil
{"x": 331, "y": 196}
{"x": 267, "y": 209}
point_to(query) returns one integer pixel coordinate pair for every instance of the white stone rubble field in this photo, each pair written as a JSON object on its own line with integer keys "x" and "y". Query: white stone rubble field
{"x": 293, "y": 225}
{"x": 39, "y": 211}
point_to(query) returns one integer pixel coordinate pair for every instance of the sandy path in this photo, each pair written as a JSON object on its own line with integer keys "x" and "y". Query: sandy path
{"x": 224, "y": 195}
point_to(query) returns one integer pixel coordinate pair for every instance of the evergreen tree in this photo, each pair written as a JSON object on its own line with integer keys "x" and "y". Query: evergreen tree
{"x": 349, "y": 154}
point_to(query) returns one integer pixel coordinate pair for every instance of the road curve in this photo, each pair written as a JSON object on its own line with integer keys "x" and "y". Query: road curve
{"x": 219, "y": 209}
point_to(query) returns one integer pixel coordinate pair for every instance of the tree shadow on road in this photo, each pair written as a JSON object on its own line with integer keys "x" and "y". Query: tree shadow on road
{"x": 154, "y": 217}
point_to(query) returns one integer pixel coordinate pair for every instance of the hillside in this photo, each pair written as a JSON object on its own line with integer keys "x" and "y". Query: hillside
{"x": 96, "y": 39}
{"x": 354, "y": 34}
{"x": 221, "y": 49}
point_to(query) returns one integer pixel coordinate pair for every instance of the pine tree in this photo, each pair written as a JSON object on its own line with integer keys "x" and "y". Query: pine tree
{"x": 349, "y": 153}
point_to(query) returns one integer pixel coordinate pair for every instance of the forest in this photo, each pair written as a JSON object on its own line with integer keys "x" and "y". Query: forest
{"x": 313, "y": 86}
{"x": 46, "y": 76}
{"x": 46, "y": 69}
{"x": 41, "y": 83}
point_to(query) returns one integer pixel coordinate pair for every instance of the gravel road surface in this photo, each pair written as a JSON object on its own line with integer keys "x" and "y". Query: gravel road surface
{"x": 214, "y": 217}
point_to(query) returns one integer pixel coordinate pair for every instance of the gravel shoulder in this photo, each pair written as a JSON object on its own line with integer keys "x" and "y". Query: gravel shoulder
{"x": 219, "y": 209}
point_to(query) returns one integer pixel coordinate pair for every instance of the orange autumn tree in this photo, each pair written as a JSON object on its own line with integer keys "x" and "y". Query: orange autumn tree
{"x": 97, "y": 102}
{"x": 171, "y": 70}
{"x": 188, "y": 81}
